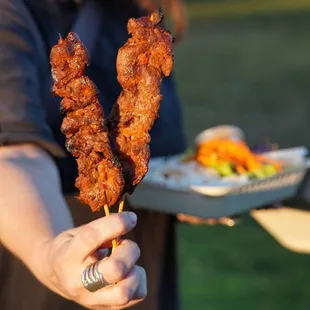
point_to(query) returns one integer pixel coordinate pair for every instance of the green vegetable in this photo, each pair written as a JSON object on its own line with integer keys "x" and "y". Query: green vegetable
{"x": 265, "y": 172}
{"x": 251, "y": 175}
{"x": 269, "y": 170}
{"x": 224, "y": 169}
{"x": 259, "y": 173}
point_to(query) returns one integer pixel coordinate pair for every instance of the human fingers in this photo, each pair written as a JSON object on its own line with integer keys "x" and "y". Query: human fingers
{"x": 194, "y": 220}
{"x": 67, "y": 273}
{"x": 141, "y": 291}
{"x": 91, "y": 236}
{"x": 115, "y": 267}
{"x": 121, "y": 295}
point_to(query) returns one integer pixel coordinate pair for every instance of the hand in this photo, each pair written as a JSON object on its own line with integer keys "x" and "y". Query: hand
{"x": 67, "y": 256}
{"x": 195, "y": 220}
{"x": 190, "y": 219}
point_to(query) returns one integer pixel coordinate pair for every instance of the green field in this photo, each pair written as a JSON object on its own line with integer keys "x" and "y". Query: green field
{"x": 252, "y": 71}
{"x": 216, "y": 8}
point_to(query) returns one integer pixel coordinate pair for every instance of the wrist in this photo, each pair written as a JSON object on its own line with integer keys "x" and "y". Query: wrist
{"x": 44, "y": 260}
{"x": 39, "y": 262}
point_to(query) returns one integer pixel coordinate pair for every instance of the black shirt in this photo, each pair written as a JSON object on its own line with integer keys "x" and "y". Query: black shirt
{"x": 30, "y": 113}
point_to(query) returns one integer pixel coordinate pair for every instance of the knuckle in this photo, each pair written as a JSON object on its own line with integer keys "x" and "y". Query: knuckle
{"x": 123, "y": 296}
{"x": 120, "y": 224}
{"x": 142, "y": 291}
{"x": 115, "y": 270}
{"x": 89, "y": 235}
{"x": 142, "y": 272}
{"x": 135, "y": 248}
{"x": 132, "y": 247}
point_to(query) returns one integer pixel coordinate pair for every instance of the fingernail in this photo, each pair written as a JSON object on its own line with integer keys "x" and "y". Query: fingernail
{"x": 132, "y": 218}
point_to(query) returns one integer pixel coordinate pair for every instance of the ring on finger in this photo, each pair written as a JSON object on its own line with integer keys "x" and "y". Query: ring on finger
{"x": 92, "y": 279}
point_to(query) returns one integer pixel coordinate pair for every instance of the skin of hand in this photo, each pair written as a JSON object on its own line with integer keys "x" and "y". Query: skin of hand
{"x": 36, "y": 226}
{"x": 72, "y": 251}
{"x": 190, "y": 219}
{"x": 195, "y": 220}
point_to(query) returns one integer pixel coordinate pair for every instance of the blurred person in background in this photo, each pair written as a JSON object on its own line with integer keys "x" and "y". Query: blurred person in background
{"x": 38, "y": 211}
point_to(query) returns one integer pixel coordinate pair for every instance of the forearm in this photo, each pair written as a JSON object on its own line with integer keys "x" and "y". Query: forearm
{"x": 32, "y": 208}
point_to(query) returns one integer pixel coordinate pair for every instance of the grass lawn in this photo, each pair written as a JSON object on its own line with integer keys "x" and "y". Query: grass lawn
{"x": 253, "y": 72}
{"x": 216, "y": 8}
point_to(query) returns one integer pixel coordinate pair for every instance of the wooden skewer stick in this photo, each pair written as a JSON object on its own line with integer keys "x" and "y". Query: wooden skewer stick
{"x": 121, "y": 204}
{"x": 121, "y": 208}
{"x": 114, "y": 241}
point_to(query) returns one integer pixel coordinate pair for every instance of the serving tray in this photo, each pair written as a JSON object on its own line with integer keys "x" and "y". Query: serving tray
{"x": 217, "y": 199}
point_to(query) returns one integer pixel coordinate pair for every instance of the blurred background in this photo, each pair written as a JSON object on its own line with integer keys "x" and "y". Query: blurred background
{"x": 245, "y": 63}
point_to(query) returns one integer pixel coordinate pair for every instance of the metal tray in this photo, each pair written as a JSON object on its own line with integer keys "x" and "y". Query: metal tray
{"x": 287, "y": 178}
{"x": 233, "y": 200}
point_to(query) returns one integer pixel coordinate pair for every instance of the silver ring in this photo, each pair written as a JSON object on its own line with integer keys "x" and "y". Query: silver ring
{"x": 92, "y": 279}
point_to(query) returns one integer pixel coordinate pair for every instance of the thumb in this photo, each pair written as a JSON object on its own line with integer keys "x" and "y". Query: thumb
{"x": 90, "y": 237}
